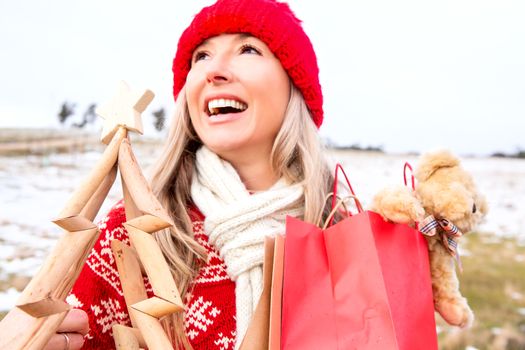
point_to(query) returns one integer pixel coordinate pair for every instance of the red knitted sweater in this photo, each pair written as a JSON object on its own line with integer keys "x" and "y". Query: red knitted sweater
{"x": 209, "y": 318}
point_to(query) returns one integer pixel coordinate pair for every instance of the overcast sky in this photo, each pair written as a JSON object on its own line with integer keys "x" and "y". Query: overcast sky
{"x": 406, "y": 75}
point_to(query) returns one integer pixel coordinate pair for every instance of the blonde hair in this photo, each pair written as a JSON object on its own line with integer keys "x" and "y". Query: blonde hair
{"x": 297, "y": 154}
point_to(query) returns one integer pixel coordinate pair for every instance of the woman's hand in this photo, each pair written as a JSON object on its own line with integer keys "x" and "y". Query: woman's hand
{"x": 70, "y": 334}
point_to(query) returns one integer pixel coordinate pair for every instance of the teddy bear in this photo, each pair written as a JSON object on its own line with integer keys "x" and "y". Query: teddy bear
{"x": 445, "y": 204}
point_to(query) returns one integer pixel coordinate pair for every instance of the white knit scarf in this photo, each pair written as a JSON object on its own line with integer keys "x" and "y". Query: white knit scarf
{"x": 236, "y": 223}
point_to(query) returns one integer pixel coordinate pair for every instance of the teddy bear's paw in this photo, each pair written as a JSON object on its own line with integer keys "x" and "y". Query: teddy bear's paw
{"x": 456, "y": 313}
{"x": 398, "y": 204}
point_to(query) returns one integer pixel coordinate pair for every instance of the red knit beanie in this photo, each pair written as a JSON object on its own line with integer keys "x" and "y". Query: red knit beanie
{"x": 268, "y": 20}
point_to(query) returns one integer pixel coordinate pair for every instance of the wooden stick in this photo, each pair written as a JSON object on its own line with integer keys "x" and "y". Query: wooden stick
{"x": 132, "y": 212}
{"x": 36, "y": 332}
{"x": 44, "y": 293}
{"x": 85, "y": 191}
{"x": 146, "y": 202}
{"x": 75, "y": 223}
{"x": 157, "y": 270}
{"x": 157, "y": 307}
{"x": 130, "y": 275}
{"x": 149, "y": 223}
{"x": 43, "y": 306}
{"x": 124, "y": 338}
{"x": 127, "y": 338}
{"x": 42, "y": 296}
{"x": 152, "y": 331}
{"x": 20, "y": 331}
{"x": 92, "y": 207}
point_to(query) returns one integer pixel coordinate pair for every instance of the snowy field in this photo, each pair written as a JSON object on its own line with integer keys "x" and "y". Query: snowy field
{"x": 33, "y": 190}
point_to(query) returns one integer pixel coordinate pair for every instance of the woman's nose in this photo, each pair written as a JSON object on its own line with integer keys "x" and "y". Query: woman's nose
{"x": 218, "y": 71}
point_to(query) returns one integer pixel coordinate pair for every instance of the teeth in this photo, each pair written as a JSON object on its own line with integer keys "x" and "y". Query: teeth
{"x": 214, "y": 105}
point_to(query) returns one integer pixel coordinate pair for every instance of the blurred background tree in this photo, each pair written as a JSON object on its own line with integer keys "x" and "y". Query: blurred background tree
{"x": 88, "y": 117}
{"x": 159, "y": 119}
{"x": 66, "y": 110}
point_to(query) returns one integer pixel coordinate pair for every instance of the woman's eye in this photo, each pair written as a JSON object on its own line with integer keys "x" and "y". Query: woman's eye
{"x": 201, "y": 55}
{"x": 249, "y": 49}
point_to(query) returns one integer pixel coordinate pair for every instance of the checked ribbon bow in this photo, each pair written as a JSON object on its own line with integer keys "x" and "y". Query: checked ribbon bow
{"x": 430, "y": 226}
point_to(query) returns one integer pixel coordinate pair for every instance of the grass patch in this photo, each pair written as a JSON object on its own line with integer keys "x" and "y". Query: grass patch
{"x": 493, "y": 281}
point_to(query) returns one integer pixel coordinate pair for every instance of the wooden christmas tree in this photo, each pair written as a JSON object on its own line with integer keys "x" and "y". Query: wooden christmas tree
{"x": 42, "y": 307}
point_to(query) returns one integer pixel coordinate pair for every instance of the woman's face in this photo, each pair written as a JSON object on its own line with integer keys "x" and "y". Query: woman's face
{"x": 237, "y": 93}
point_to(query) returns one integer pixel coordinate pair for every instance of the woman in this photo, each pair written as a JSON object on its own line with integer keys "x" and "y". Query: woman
{"x": 242, "y": 153}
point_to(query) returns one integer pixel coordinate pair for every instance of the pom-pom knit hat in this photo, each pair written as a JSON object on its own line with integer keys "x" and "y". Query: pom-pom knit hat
{"x": 268, "y": 20}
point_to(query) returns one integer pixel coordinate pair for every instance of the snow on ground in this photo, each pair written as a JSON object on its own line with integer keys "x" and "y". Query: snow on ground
{"x": 34, "y": 189}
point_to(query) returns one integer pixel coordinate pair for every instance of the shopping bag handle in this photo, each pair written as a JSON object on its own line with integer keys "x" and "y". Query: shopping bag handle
{"x": 326, "y": 198}
{"x": 339, "y": 167}
{"x": 330, "y": 218}
{"x": 408, "y": 166}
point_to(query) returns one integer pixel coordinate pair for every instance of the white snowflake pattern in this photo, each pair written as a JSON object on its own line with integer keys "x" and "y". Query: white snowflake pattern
{"x": 108, "y": 313}
{"x": 73, "y": 301}
{"x": 199, "y": 316}
{"x": 215, "y": 268}
{"x": 225, "y": 342}
{"x": 215, "y": 312}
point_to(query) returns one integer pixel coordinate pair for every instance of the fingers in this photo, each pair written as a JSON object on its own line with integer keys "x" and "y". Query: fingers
{"x": 70, "y": 334}
{"x": 76, "y": 321}
{"x": 58, "y": 341}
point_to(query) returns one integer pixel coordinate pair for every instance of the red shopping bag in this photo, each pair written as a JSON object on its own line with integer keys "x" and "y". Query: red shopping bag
{"x": 361, "y": 283}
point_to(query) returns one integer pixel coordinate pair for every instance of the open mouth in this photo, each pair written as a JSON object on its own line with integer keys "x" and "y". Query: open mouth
{"x": 225, "y": 106}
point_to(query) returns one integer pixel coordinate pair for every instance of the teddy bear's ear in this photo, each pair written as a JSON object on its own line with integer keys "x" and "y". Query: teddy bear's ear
{"x": 432, "y": 161}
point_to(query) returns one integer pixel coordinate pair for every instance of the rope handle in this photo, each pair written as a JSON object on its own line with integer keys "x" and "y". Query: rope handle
{"x": 341, "y": 201}
{"x": 328, "y": 196}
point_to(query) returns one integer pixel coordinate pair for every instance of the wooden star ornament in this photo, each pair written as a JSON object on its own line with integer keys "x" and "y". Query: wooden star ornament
{"x": 124, "y": 110}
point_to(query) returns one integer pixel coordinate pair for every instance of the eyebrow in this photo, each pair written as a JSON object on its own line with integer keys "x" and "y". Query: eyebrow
{"x": 239, "y": 37}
